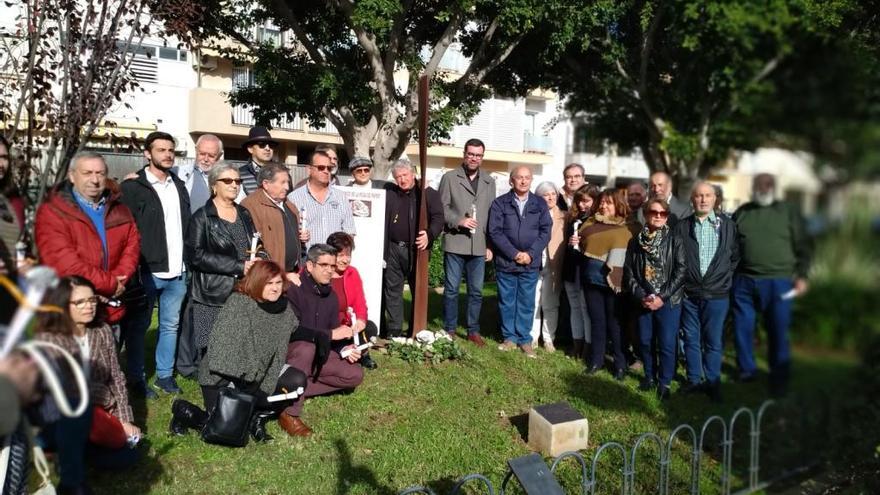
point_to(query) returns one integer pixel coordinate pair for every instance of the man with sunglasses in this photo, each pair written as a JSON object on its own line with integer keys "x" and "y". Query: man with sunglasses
{"x": 323, "y": 210}
{"x": 361, "y": 169}
{"x": 261, "y": 147}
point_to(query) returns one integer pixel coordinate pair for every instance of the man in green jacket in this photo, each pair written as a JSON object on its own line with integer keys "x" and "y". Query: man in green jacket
{"x": 773, "y": 267}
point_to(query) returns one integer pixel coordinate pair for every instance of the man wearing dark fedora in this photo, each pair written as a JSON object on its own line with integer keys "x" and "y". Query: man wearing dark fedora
{"x": 261, "y": 147}
{"x": 361, "y": 169}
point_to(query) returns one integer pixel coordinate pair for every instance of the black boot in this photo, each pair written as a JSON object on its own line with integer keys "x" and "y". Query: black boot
{"x": 367, "y": 362}
{"x": 185, "y": 415}
{"x": 258, "y": 426}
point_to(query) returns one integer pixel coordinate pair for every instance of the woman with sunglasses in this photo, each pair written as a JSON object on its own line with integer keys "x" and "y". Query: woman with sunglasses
{"x": 653, "y": 275}
{"x": 217, "y": 249}
{"x": 97, "y": 437}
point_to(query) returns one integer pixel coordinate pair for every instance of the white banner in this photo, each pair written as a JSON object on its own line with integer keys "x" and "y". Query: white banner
{"x": 368, "y": 209}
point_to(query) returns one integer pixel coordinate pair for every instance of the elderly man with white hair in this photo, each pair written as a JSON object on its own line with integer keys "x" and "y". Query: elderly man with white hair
{"x": 775, "y": 262}
{"x": 550, "y": 284}
{"x": 711, "y": 255}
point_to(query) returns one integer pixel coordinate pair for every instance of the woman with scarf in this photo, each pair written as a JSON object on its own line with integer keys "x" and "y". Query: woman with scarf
{"x": 247, "y": 348}
{"x": 653, "y": 275}
{"x": 603, "y": 241}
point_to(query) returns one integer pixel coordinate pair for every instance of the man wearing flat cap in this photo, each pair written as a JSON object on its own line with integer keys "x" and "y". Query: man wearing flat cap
{"x": 361, "y": 169}
{"x": 261, "y": 147}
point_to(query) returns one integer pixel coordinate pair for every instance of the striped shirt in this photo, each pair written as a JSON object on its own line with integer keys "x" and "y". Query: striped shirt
{"x": 322, "y": 219}
{"x": 706, "y": 233}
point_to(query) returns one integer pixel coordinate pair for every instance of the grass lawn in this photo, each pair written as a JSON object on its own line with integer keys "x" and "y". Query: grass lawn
{"x": 411, "y": 424}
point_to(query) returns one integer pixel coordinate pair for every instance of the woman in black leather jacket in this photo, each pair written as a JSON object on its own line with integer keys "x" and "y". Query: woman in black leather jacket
{"x": 653, "y": 274}
{"x": 217, "y": 249}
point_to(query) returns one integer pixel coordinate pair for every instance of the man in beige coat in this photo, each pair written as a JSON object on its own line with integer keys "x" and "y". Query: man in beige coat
{"x": 466, "y": 194}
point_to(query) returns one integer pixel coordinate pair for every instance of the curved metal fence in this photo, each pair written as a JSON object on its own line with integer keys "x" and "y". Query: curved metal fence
{"x": 683, "y": 440}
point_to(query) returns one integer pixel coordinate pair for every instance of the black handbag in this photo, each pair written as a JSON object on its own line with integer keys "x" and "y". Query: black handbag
{"x": 228, "y": 423}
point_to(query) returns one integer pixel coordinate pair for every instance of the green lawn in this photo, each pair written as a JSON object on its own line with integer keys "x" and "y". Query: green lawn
{"x": 410, "y": 424}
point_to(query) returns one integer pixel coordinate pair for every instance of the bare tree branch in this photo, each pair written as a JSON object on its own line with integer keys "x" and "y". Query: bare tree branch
{"x": 648, "y": 46}
{"x": 384, "y": 81}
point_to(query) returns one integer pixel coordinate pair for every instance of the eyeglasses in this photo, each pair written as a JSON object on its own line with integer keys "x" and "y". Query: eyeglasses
{"x": 362, "y": 170}
{"x": 81, "y": 303}
{"x": 658, "y": 213}
{"x": 265, "y": 145}
{"x": 570, "y": 177}
{"x": 228, "y": 181}
{"x": 322, "y": 168}
{"x": 474, "y": 155}
{"x": 327, "y": 266}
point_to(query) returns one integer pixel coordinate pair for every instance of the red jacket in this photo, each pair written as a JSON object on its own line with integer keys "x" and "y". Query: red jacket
{"x": 354, "y": 293}
{"x": 68, "y": 242}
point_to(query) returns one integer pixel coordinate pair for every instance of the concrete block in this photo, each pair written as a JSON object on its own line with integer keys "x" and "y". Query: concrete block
{"x": 557, "y": 428}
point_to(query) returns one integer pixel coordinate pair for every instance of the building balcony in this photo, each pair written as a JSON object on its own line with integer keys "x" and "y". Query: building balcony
{"x": 537, "y": 144}
{"x": 210, "y": 112}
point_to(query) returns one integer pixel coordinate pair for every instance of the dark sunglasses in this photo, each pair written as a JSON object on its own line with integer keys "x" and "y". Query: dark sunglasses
{"x": 361, "y": 170}
{"x": 658, "y": 213}
{"x": 266, "y": 145}
{"x": 227, "y": 181}
{"x": 322, "y": 168}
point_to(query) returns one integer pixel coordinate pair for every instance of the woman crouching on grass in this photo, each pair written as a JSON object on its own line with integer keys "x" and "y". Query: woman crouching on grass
{"x": 247, "y": 348}
{"x": 98, "y": 437}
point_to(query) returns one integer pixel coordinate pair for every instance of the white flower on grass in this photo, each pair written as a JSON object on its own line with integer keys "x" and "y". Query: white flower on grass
{"x": 398, "y": 340}
{"x": 426, "y": 337}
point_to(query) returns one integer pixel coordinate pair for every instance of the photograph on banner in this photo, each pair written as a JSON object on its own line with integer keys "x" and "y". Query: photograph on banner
{"x": 368, "y": 210}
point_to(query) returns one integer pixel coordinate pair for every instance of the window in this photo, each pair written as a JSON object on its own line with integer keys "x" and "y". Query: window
{"x": 585, "y": 141}
{"x": 269, "y": 35}
{"x": 167, "y": 53}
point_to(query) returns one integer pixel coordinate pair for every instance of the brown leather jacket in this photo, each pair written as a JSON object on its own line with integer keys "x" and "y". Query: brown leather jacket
{"x": 268, "y": 221}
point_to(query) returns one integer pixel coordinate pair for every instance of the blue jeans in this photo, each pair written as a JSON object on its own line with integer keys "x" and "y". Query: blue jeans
{"x": 764, "y": 294}
{"x": 473, "y": 268}
{"x": 516, "y": 303}
{"x": 657, "y": 336}
{"x": 603, "y": 306}
{"x": 703, "y": 323}
{"x": 170, "y": 294}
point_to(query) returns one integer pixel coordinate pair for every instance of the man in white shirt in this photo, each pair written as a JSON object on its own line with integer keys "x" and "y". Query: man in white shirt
{"x": 323, "y": 210}
{"x": 159, "y": 201}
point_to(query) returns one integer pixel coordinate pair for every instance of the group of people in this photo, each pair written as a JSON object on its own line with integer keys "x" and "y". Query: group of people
{"x": 255, "y": 288}
{"x": 648, "y": 278}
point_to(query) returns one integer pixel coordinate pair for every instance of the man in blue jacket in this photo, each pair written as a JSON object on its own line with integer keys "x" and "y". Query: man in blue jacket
{"x": 519, "y": 230}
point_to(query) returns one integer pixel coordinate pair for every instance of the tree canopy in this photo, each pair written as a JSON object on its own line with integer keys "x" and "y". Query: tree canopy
{"x": 687, "y": 81}
{"x": 343, "y": 62}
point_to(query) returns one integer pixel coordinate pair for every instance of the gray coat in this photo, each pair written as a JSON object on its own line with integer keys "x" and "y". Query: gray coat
{"x": 247, "y": 343}
{"x": 457, "y": 196}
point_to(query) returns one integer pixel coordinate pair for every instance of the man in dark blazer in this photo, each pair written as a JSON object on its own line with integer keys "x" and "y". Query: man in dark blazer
{"x": 466, "y": 194}
{"x": 402, "y": 239}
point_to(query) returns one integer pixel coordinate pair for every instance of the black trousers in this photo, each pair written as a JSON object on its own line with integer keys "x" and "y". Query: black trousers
{"x": 188, "y": 355}
{"x": 399, "y": 268}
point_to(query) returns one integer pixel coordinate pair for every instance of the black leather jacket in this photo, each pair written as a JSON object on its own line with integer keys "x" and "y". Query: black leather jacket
{"x": 672, "y": 263}
{"x": 212, "y": 255}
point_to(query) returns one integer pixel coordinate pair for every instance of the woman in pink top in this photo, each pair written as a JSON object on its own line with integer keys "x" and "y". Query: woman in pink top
{"x": 349, "y": 289}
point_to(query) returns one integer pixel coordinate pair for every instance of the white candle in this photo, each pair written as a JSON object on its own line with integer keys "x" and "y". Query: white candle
{"x": 353, "y": 318}
{"x": 254, "y": 239}
{"x": 577, "y": 224}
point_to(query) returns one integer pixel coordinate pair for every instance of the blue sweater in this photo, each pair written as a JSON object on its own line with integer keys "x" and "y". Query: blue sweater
{"x": 96, "y": 215}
